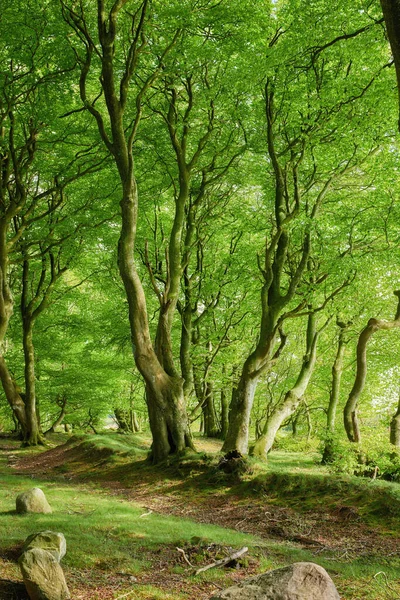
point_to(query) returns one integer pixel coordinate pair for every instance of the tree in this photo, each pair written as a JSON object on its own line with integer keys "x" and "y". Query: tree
{"x": 168, "y": 419}
{"x": 351, "y": 423}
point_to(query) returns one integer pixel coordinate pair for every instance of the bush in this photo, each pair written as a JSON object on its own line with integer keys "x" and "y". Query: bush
{"x": 371, "y": 458}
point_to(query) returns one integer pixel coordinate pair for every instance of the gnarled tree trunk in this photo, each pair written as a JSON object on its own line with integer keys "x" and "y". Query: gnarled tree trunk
{"x": 10, "y": 387}
{"x": 293, "y": 397}
{"x": 350, "y": 416}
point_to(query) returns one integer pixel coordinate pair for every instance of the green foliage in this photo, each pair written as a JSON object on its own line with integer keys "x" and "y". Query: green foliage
{"x": 290, "y": 443}
{"x": 375, "y": 457}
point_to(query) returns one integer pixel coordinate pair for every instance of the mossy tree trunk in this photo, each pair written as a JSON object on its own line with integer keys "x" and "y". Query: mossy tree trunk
{"x": 337, "y": 370}
{"x": 395, "y": 428}
{"x": 293, "y": 397}
{"x": 350, "y": 413}
{"x": 10, "y": 387}
{"x": 211, "y": 426}
{"x": 224, "y": 406}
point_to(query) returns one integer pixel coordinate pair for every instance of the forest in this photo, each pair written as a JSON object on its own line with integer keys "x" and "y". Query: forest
{"x": 199, "y": 239}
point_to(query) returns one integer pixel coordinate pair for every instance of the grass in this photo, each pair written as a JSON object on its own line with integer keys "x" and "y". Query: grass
{"x": 291, "y": 476}
{"x": 116, "y": 546}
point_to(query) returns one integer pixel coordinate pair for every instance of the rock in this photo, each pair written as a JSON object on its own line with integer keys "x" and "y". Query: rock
{"x": 43, "y": 577}
{"x": 300, "y": 581}
{"x": 47, "y": 540}
{"x": 33, "y": 501}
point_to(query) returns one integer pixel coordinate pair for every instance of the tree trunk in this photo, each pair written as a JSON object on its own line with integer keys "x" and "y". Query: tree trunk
{"x": 337, "y": 370}
{"x": 224, "y": 413}
{"x": 239, "y": 413}
{"x": 164, "y": 392}
{"x": 293, "y": 397}
{"x": 13, "y": 396}
{"x": 210, "y": 416}
{"x": 168, "y": 419}
{"x": 33, "y": 435}
{"x": 6, "y": 309}
{"x": 350, "y": 413}
{"x": 391, "y": 14}
{"x": 295, "y": 421}
{"x": 60, "y": 417}
{"x": 135, "y": 422}
{"x": 395, "y": 428}
{"x": 309, "y": 421}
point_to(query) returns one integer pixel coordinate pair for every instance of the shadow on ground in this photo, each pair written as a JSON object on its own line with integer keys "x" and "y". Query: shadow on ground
{"x": 11, "y": 590}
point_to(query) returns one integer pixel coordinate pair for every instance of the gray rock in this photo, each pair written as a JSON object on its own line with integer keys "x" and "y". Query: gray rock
{"x": 51, "y": 541}
{"x": 43, "y": 577}
{"x": 33, "y": 501}
{"x": 300, "y": 581}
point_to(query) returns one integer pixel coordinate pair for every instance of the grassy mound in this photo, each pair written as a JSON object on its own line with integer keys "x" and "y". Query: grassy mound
{"x": 368, "y": 498}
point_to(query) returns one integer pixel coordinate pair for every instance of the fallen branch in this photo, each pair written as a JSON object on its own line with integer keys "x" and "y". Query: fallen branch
{"x": 146, "y": 514}
{"x": 223, "y": 561}
{"x": 124, "y": 595}
{"x": 185, "y": 558}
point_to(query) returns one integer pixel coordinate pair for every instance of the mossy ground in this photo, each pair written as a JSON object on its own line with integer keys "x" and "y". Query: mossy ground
{"x": 124, "y": 520}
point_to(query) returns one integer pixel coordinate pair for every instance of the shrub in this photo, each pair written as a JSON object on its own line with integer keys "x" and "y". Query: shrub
{"x": 374, "y": 457}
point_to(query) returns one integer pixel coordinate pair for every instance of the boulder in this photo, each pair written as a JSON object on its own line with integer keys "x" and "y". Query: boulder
{"x": 33, "y": 501}
{"x": 43, "y": 577}
{"x": 47, "y": 540}
{"x": 299, "y": 581}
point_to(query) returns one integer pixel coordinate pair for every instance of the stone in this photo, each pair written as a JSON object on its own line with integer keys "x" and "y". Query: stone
{"x": 43, "y": 576}
{"x": 299, "y": 581}
{"x": 51, "y": 541}
{"x": 33, "y": 501}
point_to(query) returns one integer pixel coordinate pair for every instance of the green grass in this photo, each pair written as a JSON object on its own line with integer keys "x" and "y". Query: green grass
{"x": 291, "y": 477}
{"x": 104, "y": 534}
{"x": 110, "y": 539}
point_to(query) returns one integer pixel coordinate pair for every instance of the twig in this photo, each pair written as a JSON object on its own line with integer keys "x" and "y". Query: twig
{"x": 185, "y": 558}
{"x": 223, "y": 561}
{"x": 124, "y": 595}
{"x": 146, "y": 514}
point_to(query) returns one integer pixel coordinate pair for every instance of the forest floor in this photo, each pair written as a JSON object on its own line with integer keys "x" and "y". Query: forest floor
{"x": 125, "y": 520}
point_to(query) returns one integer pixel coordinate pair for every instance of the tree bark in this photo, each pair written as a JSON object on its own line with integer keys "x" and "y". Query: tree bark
{"x": 10, "y": 388}
{"x": 395, "y": 428}
{"x": 224, "y": 406}
{"x": 337, "y": 370}
{"x": 211, "y": 428}
{"x": 33, "y": 435}
{"x": 293, "y": 397}
{"x": 237, "y": 437}
{"x": 350, "y": 413}
{"x": 391, "y": 14}
{"x": 13, "y": 396}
